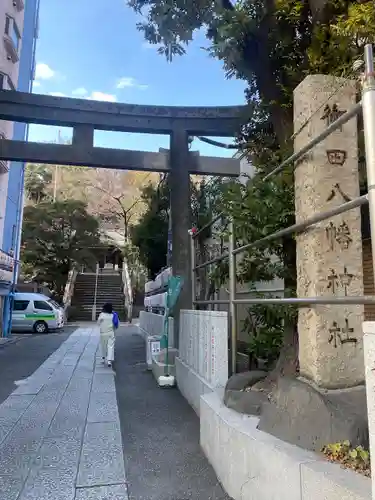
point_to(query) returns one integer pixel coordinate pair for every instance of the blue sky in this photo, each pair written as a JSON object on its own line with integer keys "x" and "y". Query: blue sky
{"x": 91, "y": 48}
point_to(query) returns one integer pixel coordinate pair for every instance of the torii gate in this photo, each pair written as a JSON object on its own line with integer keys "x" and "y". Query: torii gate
{"x": 86, "y": 116}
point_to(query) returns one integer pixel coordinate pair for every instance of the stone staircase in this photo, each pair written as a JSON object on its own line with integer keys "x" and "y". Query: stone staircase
{"x": 110, "y": 289}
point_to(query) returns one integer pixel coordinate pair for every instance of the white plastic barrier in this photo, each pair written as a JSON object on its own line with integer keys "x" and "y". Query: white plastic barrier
{"x": 153, "y": 324}
{"x": 202, "y": 364}
{"x": 158, "y": 300}
{"x": 160, "y": 281}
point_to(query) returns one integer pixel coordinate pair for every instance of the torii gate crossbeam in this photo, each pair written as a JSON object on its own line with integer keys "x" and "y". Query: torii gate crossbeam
{"x": 86, "y": 116}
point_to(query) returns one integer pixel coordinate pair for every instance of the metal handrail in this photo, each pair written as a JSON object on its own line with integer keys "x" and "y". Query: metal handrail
{"x": 93, "y": 316}
{"x": 368, "y": 99}
{"x": 319, "y": 138}
{"x": 209, "y": 224}
{"x": 296, "y": 228}
{"x": 297, "y": 301}
{"x": 302, "y": 226}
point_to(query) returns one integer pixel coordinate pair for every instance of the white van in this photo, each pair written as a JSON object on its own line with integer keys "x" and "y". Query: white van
{"x": 36, "y": 312}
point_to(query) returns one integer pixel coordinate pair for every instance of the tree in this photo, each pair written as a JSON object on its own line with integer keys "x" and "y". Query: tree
{"x": 120, "y": 198}
{"x": 150, "y": 235}
{"x": 37, "y": 181}
{"x": 56, "y": 237}
{"x": 272, "y": 44}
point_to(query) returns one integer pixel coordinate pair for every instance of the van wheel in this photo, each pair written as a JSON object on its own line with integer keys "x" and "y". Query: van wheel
{"x": 40, "y": 327}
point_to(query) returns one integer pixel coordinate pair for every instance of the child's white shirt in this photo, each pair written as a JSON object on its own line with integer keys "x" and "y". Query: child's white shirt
{"x": 105, "y": 322}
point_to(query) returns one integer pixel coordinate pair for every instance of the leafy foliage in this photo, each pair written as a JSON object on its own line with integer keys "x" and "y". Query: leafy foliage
{"x": 37, "y": 180}
{"x": 150, "y": 235}
{"x": 57, "y": 236}
{"x": 356, "y": 458}
{"x": 265, "y": 326}
{"x": 273, "y": 45}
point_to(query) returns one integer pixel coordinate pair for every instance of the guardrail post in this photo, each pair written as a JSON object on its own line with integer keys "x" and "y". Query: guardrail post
{"x": 192, "y": 253}
{"x": 232, "y": 297}
{"x": 93, "y": 314}
{"x": 368, "y": 100}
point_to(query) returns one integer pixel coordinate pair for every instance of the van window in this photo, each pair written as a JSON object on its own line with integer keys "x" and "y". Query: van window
{"x": 20, "y": 305}
{"x": 54, "y": 303}
{"x": 40, "y": 304}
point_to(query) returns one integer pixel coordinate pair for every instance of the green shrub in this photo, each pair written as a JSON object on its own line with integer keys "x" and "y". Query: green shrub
{"x": 356, "y": 458}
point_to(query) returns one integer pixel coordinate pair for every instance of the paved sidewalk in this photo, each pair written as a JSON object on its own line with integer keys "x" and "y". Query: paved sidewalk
{"x": 60, "y": 432}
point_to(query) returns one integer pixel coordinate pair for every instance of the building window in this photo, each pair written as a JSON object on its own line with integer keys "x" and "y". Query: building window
{"x": 4, "y": 165}
{"x": 12, "y": 31}
{"x": 12, "y": 38}
{"x": 6, "y": 83}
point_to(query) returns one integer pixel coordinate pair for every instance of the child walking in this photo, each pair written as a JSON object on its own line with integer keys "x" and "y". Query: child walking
{"x": 108, "y": 322}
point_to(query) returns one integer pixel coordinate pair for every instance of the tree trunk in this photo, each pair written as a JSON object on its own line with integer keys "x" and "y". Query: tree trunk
{"x": 287, "y": 364}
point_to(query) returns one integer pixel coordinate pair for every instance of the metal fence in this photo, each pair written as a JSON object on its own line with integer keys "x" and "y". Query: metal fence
{"x": 367, "y": 106}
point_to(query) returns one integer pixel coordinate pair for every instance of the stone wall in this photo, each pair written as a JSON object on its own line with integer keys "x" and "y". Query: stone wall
{"x": 202, "y": 364}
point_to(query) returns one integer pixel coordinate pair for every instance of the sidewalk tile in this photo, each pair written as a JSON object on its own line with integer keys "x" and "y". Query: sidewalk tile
{"x": 115, "y": 492}
{"x": 102, "y": 460}
{"x": 103, "y": 382}
{"x": 103, "y": 407}
{"x": 70, "y": 417}
{"x": 53, "y": 471}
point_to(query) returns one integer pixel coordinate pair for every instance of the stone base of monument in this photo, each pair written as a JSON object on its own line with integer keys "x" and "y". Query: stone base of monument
{"x": 237, "y": 397}
{"x": 305, "y": 416}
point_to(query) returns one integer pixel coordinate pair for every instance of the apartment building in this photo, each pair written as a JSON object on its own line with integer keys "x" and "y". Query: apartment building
{"x": 19, "y": 31}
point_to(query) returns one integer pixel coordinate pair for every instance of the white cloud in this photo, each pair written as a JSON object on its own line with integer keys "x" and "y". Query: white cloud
{"x": 57, "y": 94}
{"x": 101, "y": 96}
{"x": 80, "y": 92}
{"x": 43, "y": 72}
{"x": 36, "y": 84}
{"x": 128, "y": 82}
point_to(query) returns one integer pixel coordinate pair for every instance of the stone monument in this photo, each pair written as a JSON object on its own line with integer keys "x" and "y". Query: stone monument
{"x": 327, "y": 403}
{"x": 329, "y": 254}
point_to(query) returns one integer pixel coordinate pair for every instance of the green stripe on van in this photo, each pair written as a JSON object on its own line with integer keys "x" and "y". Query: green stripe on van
{"x": 40, "y": 316}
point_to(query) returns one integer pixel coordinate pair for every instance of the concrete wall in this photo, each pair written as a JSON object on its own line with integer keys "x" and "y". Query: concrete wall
{"x": 253, "y": 465}
{"x": 202, "y": 363}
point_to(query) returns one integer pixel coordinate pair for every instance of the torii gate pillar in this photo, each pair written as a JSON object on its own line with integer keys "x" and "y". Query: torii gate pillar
{"x": 181, "y": 220}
